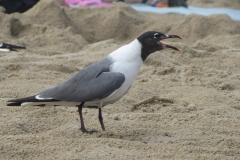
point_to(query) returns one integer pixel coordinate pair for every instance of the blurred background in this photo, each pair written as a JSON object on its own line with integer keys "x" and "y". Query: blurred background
{"x": 183, "y": 105}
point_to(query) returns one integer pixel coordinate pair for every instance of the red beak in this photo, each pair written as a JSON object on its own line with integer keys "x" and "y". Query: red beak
{"x": 168, "y": 46}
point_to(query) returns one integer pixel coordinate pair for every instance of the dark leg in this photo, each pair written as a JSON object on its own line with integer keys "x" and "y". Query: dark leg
{"x": 100, "y": 118}
{"x": 81, "y": 119}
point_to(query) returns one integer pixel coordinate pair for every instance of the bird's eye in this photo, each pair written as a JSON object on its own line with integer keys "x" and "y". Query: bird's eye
{"x": 156, "y": 35}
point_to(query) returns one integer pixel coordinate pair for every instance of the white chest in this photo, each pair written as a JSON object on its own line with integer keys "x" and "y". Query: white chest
{"x": 127, "y": 60}
{"x": 130, "y": 71}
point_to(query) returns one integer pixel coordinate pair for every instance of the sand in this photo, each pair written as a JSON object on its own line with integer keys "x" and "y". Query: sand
{"x": 183, "y": 105}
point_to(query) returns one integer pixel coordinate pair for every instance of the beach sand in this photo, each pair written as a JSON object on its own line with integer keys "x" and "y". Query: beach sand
{"x": 183, "y": 105}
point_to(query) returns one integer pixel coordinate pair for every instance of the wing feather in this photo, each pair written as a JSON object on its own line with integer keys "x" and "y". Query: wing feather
{"x": 92, "y": 83}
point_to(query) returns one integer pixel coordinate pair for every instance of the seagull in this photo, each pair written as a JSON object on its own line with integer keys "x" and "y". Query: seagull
{"x": 4, "y": 47}
{"x": 101, "y": 83}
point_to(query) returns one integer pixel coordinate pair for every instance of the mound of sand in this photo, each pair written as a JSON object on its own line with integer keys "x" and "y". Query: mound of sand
{"x": 182, "y": 106}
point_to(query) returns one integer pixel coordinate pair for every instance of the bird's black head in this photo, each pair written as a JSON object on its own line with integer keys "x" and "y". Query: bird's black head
{"x": 151, "y": 42}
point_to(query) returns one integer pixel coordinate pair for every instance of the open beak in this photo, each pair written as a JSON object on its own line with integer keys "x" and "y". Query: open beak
{"x": 166, "y": 45}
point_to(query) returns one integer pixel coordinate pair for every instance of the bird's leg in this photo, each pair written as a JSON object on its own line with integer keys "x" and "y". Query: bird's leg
{"x": 81, "y": 120}
{"x": 101, "y": 118}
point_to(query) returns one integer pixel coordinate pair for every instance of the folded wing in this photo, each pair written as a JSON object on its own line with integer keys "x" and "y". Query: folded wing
{"x": 92, "y": 83}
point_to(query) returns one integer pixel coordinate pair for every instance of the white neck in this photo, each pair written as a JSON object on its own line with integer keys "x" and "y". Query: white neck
{"x": 128, "y": 53}
{"x": 127, "y": 60}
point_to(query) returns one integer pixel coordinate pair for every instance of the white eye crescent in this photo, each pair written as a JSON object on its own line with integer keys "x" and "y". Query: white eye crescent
{"x": 156, "y": 35}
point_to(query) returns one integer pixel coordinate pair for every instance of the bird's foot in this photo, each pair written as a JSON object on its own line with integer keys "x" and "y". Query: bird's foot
{"x": 88, "y": 132}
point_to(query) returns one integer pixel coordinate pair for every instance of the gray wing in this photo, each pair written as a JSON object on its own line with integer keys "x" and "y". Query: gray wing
{"x": 92, "y": 83}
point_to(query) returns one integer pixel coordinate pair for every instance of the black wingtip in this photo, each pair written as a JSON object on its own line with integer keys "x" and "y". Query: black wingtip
{"x": 22, "y": 100}
{"x": 14, "y": 104}
{"x": 29, "y": 99}
{"x": 13, "y": 100}
{"x": 11, "y": 47}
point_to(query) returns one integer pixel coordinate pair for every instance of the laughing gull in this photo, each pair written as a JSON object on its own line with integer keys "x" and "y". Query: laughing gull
{"x": 4, "y": 47}
{"x": 103, "y": 82}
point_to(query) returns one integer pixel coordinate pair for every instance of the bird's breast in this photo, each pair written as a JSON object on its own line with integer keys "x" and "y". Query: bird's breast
{"x": 130, "y": 71}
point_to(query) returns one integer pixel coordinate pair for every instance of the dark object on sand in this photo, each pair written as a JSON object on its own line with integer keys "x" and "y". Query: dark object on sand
{"x": 177, "y": 3}
{"x": 4, "y": 47}
{"x": 21, "y": 6}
